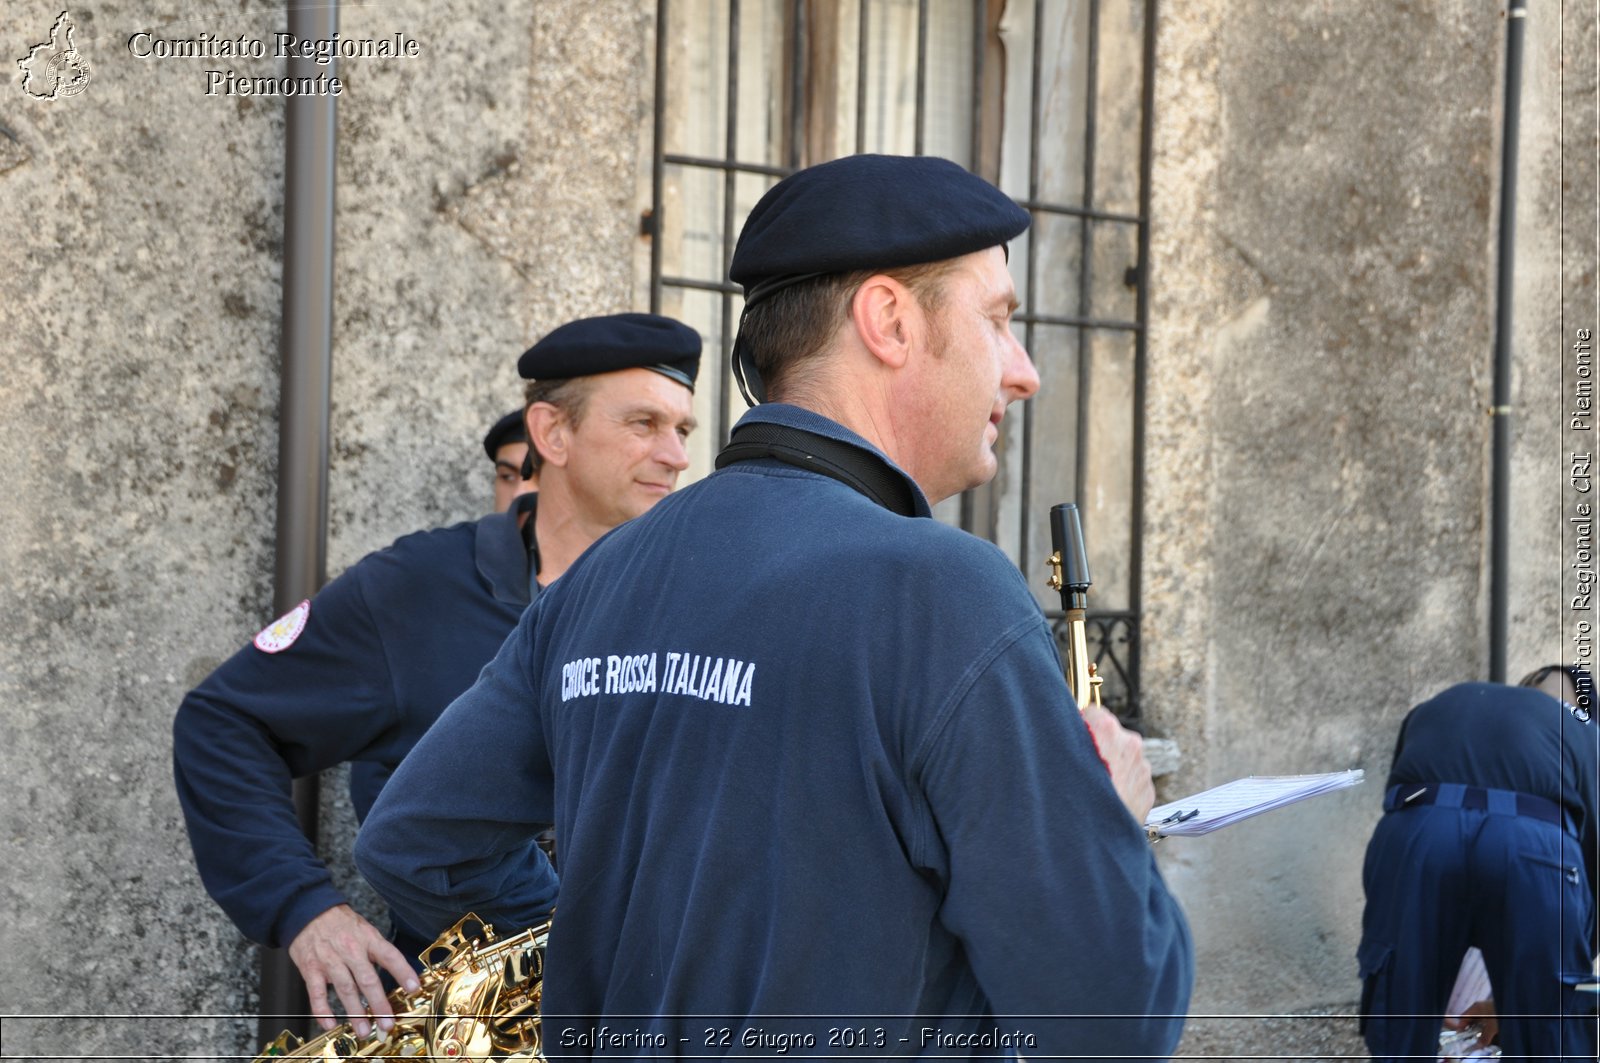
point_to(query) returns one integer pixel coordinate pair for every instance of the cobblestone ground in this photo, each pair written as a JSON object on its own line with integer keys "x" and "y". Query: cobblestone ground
{"x": 1306, "y": 1038}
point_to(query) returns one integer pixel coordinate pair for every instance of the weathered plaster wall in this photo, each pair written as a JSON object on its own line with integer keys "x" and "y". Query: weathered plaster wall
{"x": 1320, "y": 371}
{"x": 1554, "y": 296}
{"x": 485, "y": 193}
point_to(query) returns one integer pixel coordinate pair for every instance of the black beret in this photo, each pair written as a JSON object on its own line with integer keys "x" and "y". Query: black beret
{"x": 616, "y": 341}
{"x": 870, "y": 212}
{"x": 508, "y": 429}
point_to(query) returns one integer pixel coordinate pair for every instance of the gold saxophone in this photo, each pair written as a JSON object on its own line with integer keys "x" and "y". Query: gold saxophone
{"x": 1069, "y": 574}
{"x": 479, "y": 999}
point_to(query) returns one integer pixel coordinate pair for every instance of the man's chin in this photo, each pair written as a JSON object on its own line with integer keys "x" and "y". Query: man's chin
{"x": 979, "y": 477}
{"x": 988, "y": 466}
{"x": 646, "y": 497}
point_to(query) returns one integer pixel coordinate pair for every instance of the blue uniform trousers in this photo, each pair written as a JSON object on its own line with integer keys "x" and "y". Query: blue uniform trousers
{"x": 1440, "y": 878}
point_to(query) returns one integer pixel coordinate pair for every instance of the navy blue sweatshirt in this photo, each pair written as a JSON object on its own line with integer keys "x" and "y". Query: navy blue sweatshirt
{"x": 1507, "y": 738}
{"x": 816, "y": 775}
{"x": 357, "y": 675}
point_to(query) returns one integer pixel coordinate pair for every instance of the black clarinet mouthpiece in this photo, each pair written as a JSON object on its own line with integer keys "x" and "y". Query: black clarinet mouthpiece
{"x": 1066, "y": 539}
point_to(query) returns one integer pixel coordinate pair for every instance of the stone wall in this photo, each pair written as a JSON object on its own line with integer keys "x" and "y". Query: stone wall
{"x": 485, "y": 193}
{"x": 1320, "y": 374}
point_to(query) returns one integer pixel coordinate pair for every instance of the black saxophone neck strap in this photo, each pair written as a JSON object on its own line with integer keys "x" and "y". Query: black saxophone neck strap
{"x": 858, "y": 469}
{"x": 528, "y": 503}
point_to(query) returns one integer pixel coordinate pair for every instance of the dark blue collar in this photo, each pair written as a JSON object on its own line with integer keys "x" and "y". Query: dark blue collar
{"x": 801, "y": 419}
{"x": 505, "y": 560}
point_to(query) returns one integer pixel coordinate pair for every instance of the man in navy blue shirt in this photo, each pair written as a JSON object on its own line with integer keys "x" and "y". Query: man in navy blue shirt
{"x": 819, "y": 782}
{"x": 359, "y": 672}
{"x": 1490, "y": 839}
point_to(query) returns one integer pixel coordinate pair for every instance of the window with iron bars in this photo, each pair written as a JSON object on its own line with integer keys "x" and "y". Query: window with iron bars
{"x": 1050, "y": 100}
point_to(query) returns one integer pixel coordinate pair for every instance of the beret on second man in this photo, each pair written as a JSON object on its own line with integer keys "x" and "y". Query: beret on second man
{"x": 606, "y": 344}
{"x": 870, "y": 212}
{"x": 508, "y": 429}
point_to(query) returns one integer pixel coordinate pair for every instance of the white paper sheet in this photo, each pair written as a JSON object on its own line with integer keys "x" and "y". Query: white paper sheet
{"x": 1231, "y": 802}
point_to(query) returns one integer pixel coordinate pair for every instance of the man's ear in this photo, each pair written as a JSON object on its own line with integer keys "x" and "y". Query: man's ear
{"x": 549, "y": 432}
{"x": 887, "y": 318}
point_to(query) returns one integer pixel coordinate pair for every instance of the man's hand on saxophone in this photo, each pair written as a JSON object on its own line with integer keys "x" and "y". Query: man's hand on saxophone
{"x": 1123, "y": 752}
{"x": 339, "y": 948}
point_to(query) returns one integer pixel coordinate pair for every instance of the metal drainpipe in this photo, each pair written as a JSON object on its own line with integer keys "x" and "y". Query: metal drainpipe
{"x": 306, "y": 347}
{"x": 1500, "y": 473}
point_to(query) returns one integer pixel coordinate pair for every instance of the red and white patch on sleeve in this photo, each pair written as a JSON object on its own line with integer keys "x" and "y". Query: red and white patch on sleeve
{"x": 281, "y": 633}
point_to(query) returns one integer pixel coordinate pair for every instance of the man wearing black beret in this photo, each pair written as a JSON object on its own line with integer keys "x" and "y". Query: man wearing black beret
{"x": 820, "y": 784}
{"x": 360, "y": 671}
{"x": 507, "y": 447}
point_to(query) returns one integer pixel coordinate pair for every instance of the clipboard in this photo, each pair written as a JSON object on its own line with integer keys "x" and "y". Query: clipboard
{"x": 1225, "y": 805}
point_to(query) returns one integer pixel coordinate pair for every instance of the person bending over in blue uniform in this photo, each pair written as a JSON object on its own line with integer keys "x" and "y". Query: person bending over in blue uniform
{"x": 820, "y": 785}
{"x": 360, "y": 671}
{"x": 1489, "y": 840}
{"x": 507, "y": 447}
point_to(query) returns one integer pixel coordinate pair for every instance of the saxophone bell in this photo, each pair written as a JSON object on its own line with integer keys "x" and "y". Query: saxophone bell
{"x": 478, "y": 999}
